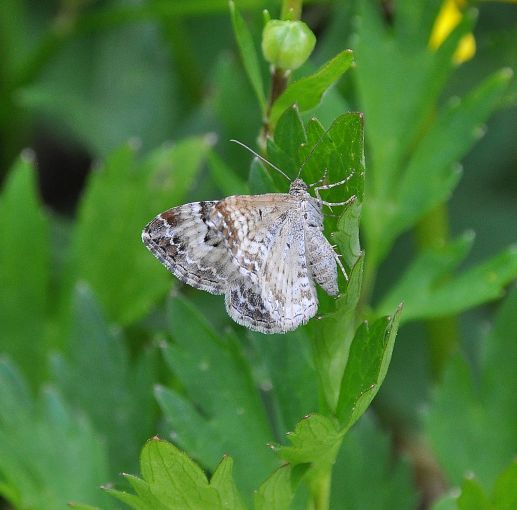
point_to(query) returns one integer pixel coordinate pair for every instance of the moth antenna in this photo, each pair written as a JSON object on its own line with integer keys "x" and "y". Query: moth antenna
{"x": 262, "y": 159}
{"x": 315, "y": 146}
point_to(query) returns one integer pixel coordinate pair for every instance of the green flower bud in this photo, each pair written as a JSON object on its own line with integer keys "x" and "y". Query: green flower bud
{"x": 287, "y": 44}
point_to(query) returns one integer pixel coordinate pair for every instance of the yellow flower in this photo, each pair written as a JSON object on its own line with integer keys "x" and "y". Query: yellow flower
{"x": 447, "y": 19}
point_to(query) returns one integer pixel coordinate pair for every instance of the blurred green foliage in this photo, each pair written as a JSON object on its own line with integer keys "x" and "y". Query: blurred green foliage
{"x": 97, "y": 354}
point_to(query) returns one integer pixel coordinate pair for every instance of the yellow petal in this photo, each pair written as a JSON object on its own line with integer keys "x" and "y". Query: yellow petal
{"x": 447, "y": 19}
{"x": 466, "y": 49}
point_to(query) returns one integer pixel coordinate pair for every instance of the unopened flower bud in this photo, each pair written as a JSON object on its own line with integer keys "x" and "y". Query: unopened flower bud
{"x": 287, "y": 44}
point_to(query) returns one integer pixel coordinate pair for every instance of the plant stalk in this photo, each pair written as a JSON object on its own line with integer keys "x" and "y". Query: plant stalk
{"x": 291, "y": 9}
{"x": 432, "y": 231}
{"x": 320, "y": 489}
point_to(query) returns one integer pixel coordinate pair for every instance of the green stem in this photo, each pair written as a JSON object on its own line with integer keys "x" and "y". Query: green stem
{"x": 321, "y": 491}
{"x": 442, "y": 334}
{"x": 291, "y": 9}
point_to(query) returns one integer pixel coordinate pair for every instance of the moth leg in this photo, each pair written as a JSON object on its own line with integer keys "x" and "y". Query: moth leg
{"x": 330, "y": 204}
{"x": 325, "y": 175}
{"x": 334, "y": 184}
{"x": 337, "y": 256}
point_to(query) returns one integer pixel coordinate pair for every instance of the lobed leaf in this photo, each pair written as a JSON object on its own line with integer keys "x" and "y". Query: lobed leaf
{"x": 217, "y": 380}
{"x": 171, "y": 480}
{"x": 474, "y": 497}
{"x": 367, "y": 476}
{"x": 316, "y": 440}
{"x": 333, "y": 336}
{"x": 225, "y": 178}
{"x": 121, "y": 198}
{"x": 478, "y": 408}
{"x": 48, "y": 454}
{"x": 286, "y": 375}
{"x": 347, "y": 234}
{"x": 306, "y": 92}
{"x": 189, "y": 428}
{"x": 276, "y": 492}
{"x": 368, "y": 360}
{"x": 260, "y": 178}
{"x": 428, "y": 295}
{"x": 118, "y": 396}
{"x": 431, "y": 175}
{"x": 222, "y": 480}
{"x": 419, "y": 280}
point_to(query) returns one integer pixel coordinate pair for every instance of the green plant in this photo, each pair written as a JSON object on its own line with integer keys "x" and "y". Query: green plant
{"x": 129, "y": 360}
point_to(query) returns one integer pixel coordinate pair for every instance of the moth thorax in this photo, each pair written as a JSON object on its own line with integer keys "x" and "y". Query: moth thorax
{"x": 298, "y": 187}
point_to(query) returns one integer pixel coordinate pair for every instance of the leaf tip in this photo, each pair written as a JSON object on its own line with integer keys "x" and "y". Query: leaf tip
{"x": 506, "y": 73}
{"x": 210, "y": 139}
{"x": 28, "y": 156}
{"x": 134, "y": 143}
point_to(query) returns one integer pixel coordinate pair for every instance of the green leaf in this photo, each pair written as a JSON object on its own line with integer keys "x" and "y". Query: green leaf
{"x": 472, "y": 496}
{"x": 222, "y": 481}
{"x": 276, "y": 492}
{"x": 121, "y": 198}
{"x": 118, "y": 399}
{"x": 173, "y": 477}
{"x": 333, "y": 336}
{"x": 366, "y": 475}
{"x": 478, "y": 406}
{"x": 504, "y": 494}
{"x": 226, "y": 179}
{"x": 289, "y": 138}
{"x": 48, "y": 454}
{"x": 170, "y": 480}
{"x": 248, "y": 54}
{"x": 316, "y": 440}
{"x": 448, "y": 502}
{"x": 417, "y": 284}
{"x": 217, "y": 380}
{"x": 260, "y": 179}
{"x": 24, "y": 287}
{"x": 368, "y": 360}
{"x": 286, "y": 374}
{"x": 429, "y": 295}
{"x": 306, "y": 92}
{"x": 79, "y": 506}
{"x": 406, "y": 137}
{"x": 385, "y": 56}
{"x": 431, "y": 175}
{"x": 347, "y": 234}
{"x": 191, "y": 430}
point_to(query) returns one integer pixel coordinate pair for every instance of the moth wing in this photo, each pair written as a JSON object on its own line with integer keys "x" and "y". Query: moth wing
{"x": 245, "y": 305}
{"x": 283, "y": 297}
{"x": 249, "y": 225}
{"x": 287, "y": 285}
{"x": 187, "y": 243}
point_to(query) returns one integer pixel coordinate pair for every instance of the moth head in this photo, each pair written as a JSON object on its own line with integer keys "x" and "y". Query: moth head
{"x": 298, "y": 187}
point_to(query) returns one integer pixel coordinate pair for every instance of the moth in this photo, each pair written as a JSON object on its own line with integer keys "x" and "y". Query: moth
{"x": 265, "y": 253}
